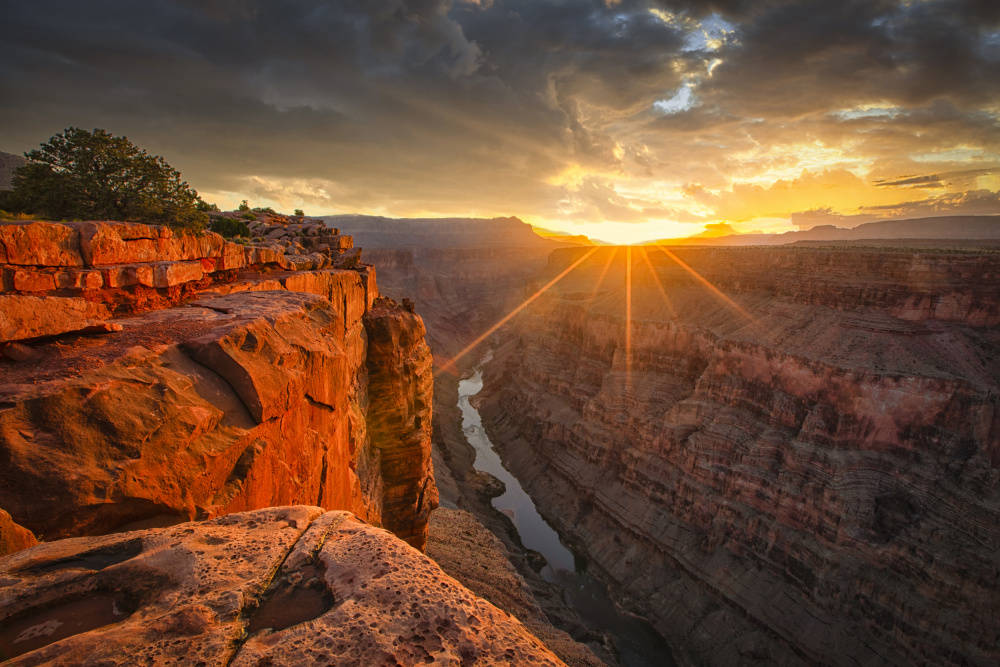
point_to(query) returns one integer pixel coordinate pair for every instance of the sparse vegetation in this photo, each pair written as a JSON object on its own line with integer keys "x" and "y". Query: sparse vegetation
{"x": 300, "y": 213}
{"x": 244, "y": 206}
{"x": 265, "y": 209}
{"x": 94, "y": 175}
{"x": 248, "y": 216}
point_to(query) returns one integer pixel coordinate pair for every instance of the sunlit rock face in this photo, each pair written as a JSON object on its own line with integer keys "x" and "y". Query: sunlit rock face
{"x": 284, "y": 586}
{"x": 126, "y": 403}
{"x": 803, "y": 469}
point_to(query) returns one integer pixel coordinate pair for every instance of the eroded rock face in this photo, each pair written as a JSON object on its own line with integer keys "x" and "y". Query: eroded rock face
{"x": 230, "y": 391}
{"x": 805, "y": 473}
{"x": 400, "y": 390}
{"x": 280, "y": 586}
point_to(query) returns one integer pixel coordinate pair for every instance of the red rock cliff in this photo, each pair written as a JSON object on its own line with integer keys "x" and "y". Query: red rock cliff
{"x": 400, "y": 387}
{"x": 227, "y": 378}
{"x": 803, "y": 470}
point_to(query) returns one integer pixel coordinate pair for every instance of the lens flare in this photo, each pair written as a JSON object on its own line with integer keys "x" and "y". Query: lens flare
{"x": 604, "y": 272}
{"x": 449, "y": 366}
{"x": 712, "y": 288}
{"x": 656, "y": 279}
{"x": 628, "y": 320}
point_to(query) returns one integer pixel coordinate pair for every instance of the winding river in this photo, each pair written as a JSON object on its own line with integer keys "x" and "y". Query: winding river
{"x": 634, "y": 639}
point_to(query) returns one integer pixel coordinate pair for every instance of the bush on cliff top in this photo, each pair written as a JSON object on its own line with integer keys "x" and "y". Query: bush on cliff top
{"x": 230, "y": 228}
{"x": 96, "y": 176}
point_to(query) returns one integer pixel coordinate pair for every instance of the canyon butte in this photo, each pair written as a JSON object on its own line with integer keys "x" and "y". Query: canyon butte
{"x": 227, "y": 453}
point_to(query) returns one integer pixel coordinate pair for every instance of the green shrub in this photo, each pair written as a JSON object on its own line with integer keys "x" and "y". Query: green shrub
{"x": 266, "y": 209}
{"x": 230, "y": 228}
{"x": 248, "y": 216}
{"x": 244, "y": 206}
{"x": 299, "y": 212}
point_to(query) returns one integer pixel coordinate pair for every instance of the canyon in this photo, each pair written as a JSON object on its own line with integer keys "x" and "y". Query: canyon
{"x": 777, "y": 455}
{"x": 780, "y": 455}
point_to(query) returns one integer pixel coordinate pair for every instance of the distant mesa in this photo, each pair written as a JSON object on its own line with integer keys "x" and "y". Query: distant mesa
{"x": 376, "y": 232}
{"x": 953, "y": 228}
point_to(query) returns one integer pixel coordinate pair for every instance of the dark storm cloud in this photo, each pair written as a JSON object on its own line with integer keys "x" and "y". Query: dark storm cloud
{"x": 434, "y": 105}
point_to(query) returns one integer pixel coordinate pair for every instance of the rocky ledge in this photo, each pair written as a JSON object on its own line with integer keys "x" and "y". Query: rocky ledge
{"x": 280, "y": 586}
{"x": 255, "y": 380}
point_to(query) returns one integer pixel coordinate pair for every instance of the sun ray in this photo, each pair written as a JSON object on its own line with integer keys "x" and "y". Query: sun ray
{"x": 628, "y": 320}
{"x": 656, "y": 278}
{"x": 600, "y": 281}
{"x": 449, "y": 366}
{"x": 712, "y": 288}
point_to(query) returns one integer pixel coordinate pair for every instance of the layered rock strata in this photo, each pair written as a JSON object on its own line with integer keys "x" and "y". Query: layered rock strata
{"x": 237, "y": 390}
{"x": 281, "y": 586}
{"x": 92, "y": 270}
{"x": 799, "y": 468}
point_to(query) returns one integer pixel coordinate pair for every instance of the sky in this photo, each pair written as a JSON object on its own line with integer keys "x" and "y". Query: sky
{"x": 623, "y": 120}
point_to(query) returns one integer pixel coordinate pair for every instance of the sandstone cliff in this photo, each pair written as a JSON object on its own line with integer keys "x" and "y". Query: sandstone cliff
{"x": 283, "y": 586}
{"x": 803, "y": 470}
{"x": 225, "y": 378}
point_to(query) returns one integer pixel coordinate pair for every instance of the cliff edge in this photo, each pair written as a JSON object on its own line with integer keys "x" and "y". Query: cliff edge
{"x": 148, "y": 379}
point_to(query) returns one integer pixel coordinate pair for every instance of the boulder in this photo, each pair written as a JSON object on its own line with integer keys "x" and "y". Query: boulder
{"x": 169, "y": 274}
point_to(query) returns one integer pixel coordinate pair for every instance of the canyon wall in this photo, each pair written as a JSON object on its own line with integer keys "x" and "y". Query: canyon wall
{"x": 790, "y": 456}
{"x": 148, "y": 379}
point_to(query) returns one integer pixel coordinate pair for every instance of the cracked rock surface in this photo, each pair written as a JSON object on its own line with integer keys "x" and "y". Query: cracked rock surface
{"x": 278, "y": 586}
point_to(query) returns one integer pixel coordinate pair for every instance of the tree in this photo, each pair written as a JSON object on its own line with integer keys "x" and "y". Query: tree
{"x": 299, "y": 212}
{"x": 93, "y": 175}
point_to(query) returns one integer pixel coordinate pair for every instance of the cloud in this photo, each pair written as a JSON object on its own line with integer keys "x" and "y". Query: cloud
{"x": 480, "y": 107}
{"x": 980, "y": 202}
{"x": 928, "y": 181}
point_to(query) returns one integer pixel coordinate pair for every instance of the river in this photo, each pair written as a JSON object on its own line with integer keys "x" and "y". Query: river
{"x": 634, "y": 639}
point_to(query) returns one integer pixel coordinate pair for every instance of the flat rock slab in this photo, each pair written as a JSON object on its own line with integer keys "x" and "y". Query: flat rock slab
{"x": 26, "y": 317}
{"x": 279, "y": 586}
